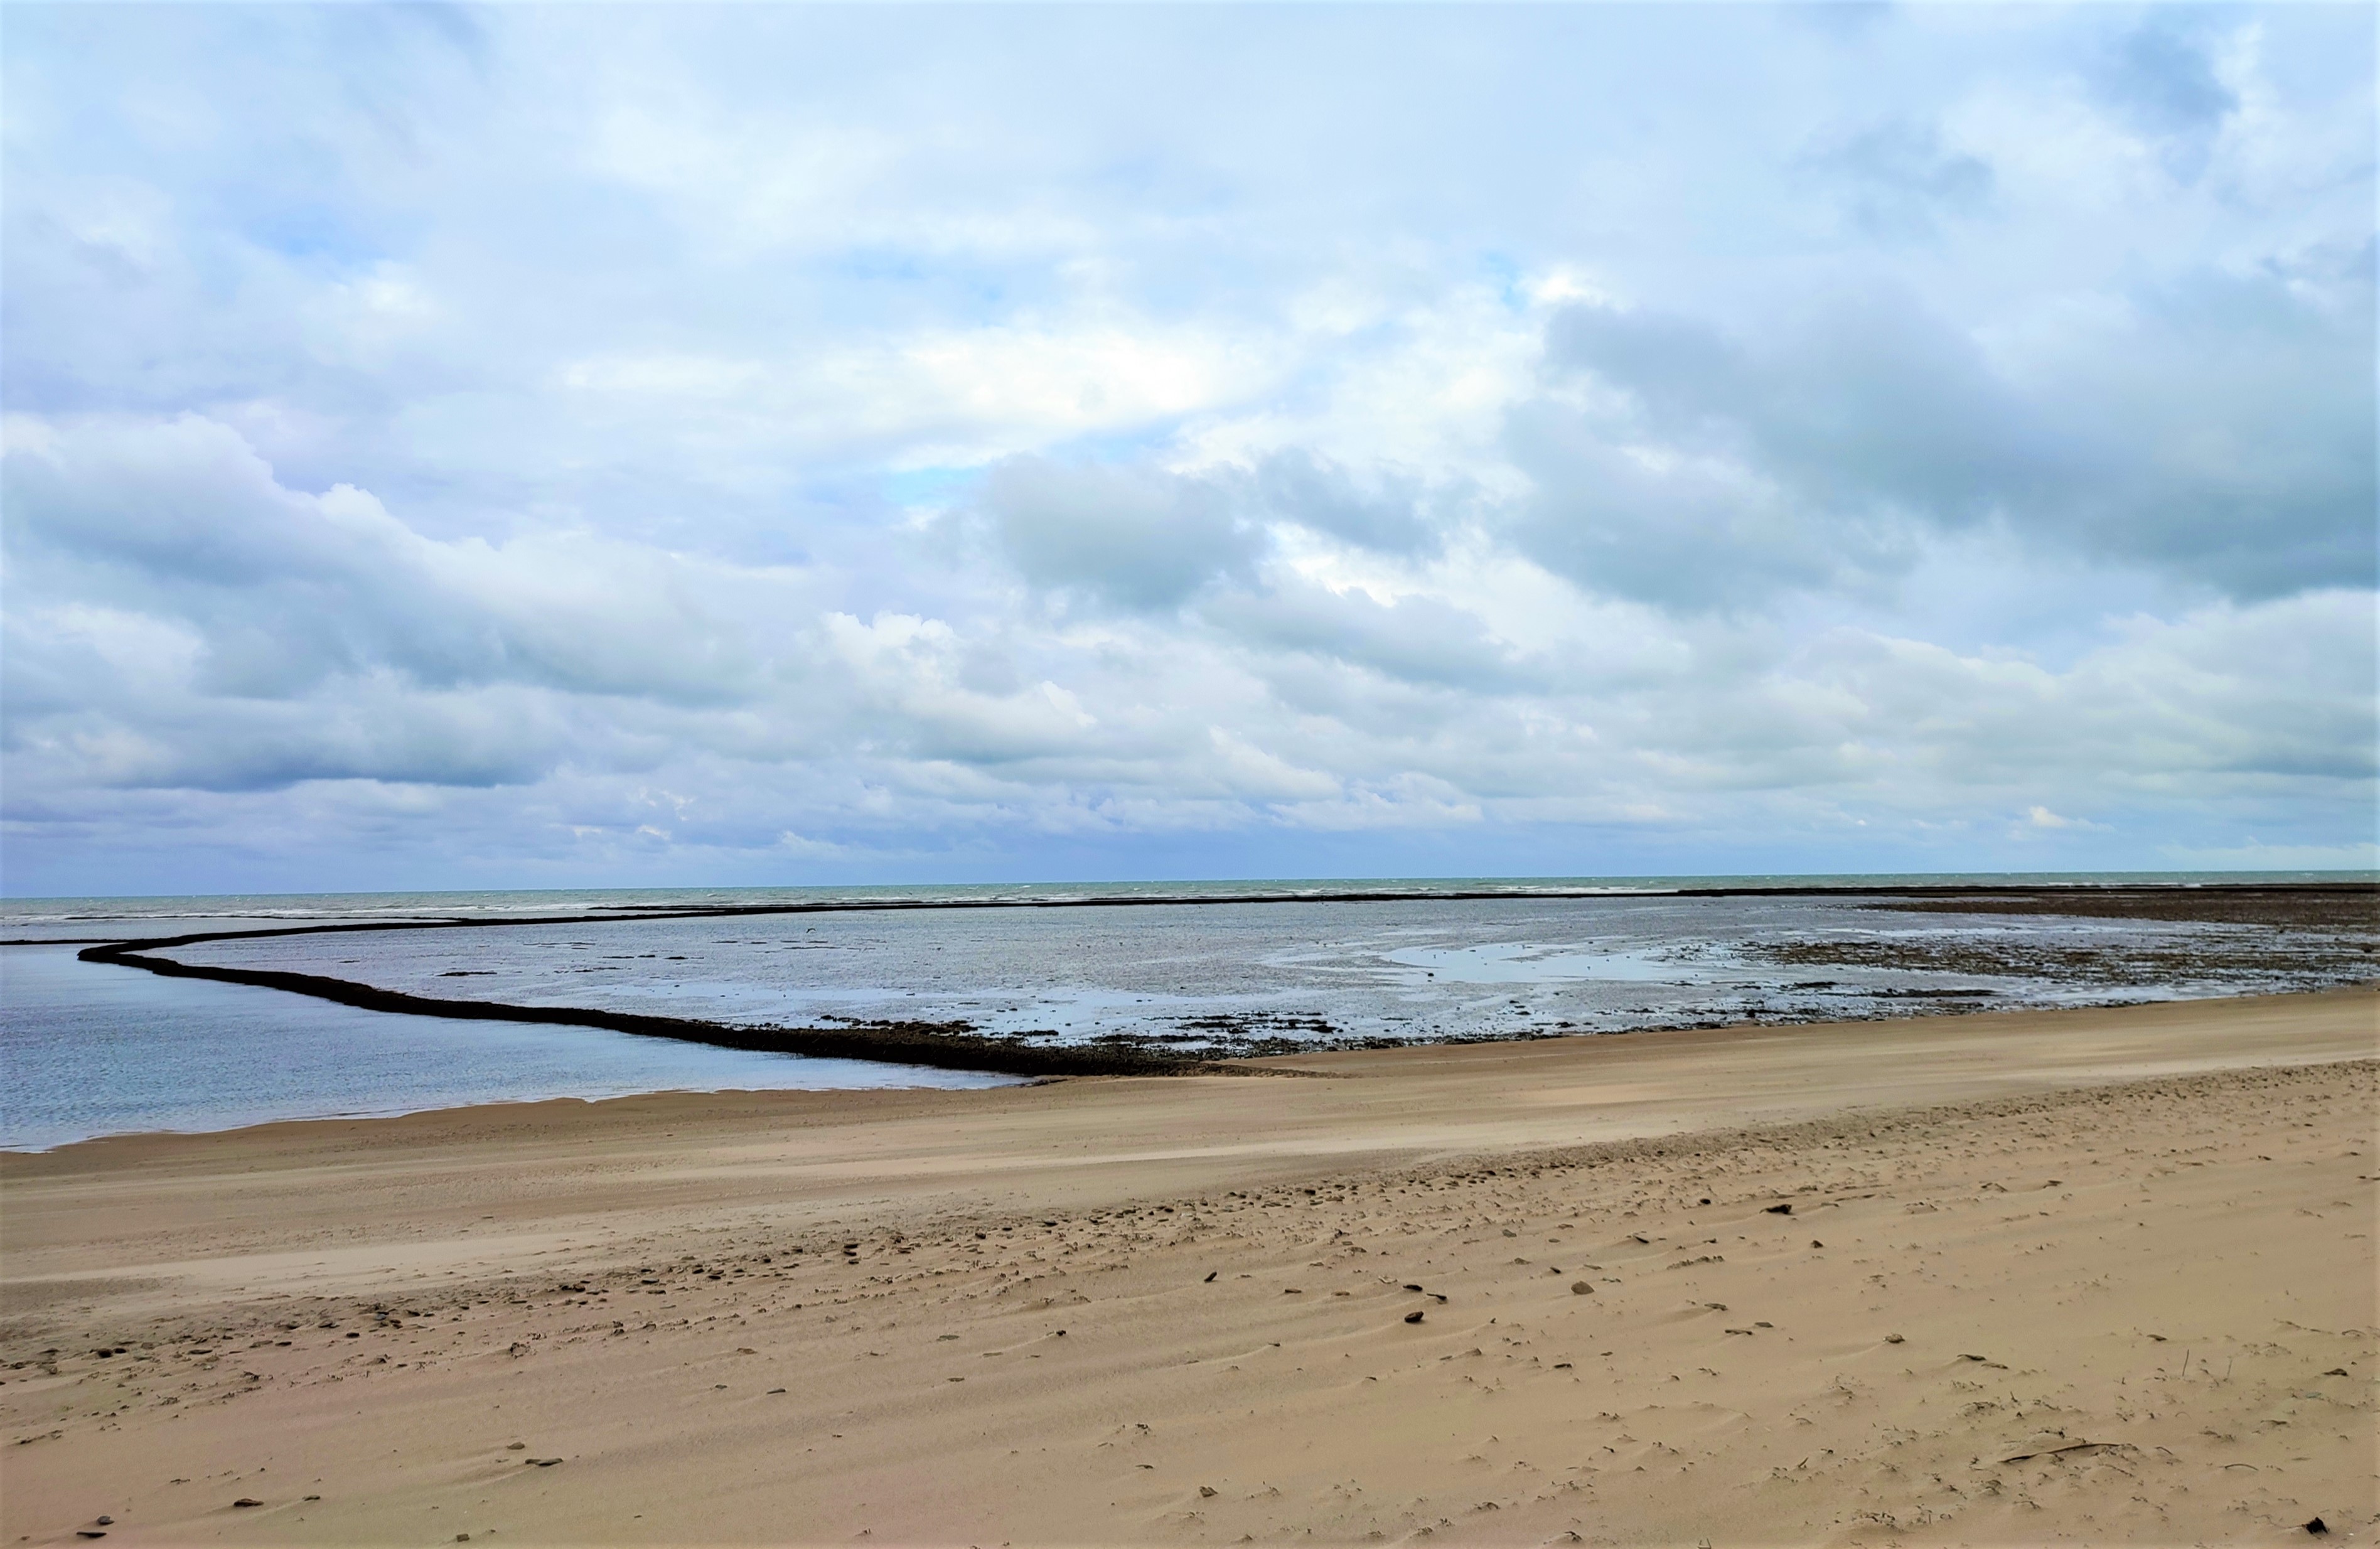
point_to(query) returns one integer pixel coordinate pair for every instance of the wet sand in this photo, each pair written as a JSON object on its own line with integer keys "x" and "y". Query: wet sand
{"x": 2098, "y": 1275}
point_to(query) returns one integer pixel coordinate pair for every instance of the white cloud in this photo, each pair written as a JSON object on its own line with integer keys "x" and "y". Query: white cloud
{"x": 760, "y": 444}
{"x": 2041, "y": 820}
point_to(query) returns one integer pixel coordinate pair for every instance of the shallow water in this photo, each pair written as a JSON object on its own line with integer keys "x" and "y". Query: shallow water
{"x": 1224, "y": 975}
{"x": 96, "y": 1049}
{"x": 92, "y": 1048}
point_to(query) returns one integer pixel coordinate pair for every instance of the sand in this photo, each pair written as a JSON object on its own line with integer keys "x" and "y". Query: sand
{"x": 2090, "y": 1275}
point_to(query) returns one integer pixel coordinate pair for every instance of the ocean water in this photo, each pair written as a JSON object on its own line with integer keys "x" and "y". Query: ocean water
{"x": 118, "y": 919}
{"x": 1225, "y": 968}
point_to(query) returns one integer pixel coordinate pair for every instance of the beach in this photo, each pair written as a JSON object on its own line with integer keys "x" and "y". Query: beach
{"x": 2099, "y": 1273}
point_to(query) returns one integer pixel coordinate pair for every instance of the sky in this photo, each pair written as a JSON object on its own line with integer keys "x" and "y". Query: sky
{"x": 610, "y": 445}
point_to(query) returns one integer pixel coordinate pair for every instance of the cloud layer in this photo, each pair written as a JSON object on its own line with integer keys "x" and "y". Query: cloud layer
{"x": 471, "y": 447}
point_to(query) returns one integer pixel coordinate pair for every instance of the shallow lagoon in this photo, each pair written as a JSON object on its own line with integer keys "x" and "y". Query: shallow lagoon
{"x": 92, "y": 1048}
{"x": 96, "y": 1049}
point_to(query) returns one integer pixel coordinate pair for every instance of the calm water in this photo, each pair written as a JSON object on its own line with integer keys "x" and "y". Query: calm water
{"x": 1320, "y": 973}
{"x": 90, "y": 1049}
{"x": 115, "y": 919}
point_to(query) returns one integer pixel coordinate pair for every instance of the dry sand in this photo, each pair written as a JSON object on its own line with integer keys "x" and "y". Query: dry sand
{"x": 2094, "y": 1276}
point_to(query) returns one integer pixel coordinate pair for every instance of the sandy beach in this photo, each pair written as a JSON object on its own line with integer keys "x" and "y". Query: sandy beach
{"x": 2090, "y": 1275}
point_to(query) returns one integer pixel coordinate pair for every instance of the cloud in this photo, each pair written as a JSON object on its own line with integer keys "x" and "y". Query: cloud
{"x": 2162, "y": 77}
{"x": 1415, "y": 640}
{"x": 2217, "y": 428}
{"x": 181, "y": 518}
{"x": 1897, "y": 181}
{"x": 594, "y": 445}
{"x": 2039, "y": 822}
{"x": 1124, "y": 538}
{"x": 1393, "y": 517}
{"x": 1726, "y": 472}
{"x": 2256, "y": 855}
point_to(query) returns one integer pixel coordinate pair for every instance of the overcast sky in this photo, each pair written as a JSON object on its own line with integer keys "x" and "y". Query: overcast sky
{"x": 609, "y": 445}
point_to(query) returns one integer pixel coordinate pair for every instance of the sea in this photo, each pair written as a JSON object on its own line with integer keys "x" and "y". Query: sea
{"x": 92, "y": 1049}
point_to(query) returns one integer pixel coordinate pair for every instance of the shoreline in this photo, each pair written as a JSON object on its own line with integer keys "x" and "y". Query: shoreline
{"x": 1842, "y": 1280}
{"x": 1935, "y": 1053}
{"x": 958, "y": 1046}
{"x": 1314, "y": 1063}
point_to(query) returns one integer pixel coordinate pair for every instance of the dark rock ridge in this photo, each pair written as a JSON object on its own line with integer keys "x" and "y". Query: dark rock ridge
{"x": 940, "y": 1046}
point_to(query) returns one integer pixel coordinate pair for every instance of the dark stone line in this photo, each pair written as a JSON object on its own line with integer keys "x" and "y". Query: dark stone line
{"x": 938, "y": 1046}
